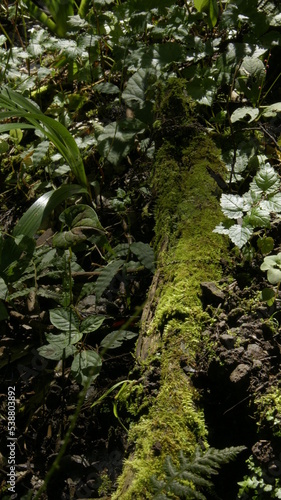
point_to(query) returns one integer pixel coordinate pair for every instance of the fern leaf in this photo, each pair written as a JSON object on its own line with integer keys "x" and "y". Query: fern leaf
{"x": 195, "y": 471}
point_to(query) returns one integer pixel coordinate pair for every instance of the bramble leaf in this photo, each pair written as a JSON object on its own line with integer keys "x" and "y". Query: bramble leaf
{"x": 232, "y": 205}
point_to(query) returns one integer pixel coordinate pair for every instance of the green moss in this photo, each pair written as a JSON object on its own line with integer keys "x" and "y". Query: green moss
{"x": 187, "y": 210}
{"x": 269, "y": 410}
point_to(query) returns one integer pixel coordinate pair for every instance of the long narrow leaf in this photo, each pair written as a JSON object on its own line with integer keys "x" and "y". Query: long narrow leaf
{"x": 34, "y": 216}
{"x": 20, "y": 106}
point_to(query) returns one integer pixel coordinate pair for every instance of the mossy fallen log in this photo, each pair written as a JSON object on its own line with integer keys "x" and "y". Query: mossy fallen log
{"x": 188, "y": 252}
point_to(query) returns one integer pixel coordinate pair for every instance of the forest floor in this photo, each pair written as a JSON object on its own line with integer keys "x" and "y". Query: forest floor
{"x": 238, "y": 363}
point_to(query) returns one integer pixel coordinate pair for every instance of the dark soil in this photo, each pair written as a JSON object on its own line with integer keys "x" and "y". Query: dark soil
{"x": 239, "y": 362}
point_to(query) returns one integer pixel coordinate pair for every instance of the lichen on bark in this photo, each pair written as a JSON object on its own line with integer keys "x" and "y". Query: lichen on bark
{"x": 188, "y": 252}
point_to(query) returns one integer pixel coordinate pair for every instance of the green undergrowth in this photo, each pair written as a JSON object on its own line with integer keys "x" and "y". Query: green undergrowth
{"x": 186, "y": 211}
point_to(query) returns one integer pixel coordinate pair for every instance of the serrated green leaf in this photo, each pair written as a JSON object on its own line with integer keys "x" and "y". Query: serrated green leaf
{"x": 272, "y": 204}
{"x": 86, "y": 364}
{"x": 239, "y": 235}
{"x": 121, "y": 250}
{"x": 91, "y": 324}
{"x": 223, "y": 227}
{"x": 136, "y": 87}
{"x": 266, "y": 181}
{"x": 64, "y": 319}
{"x": 115, "y": 339}
{"x": 144, "y": 253}
{"x": 258, "y": 218}
{"x": 106, "y": 276}
{"x": 232, "y": 205}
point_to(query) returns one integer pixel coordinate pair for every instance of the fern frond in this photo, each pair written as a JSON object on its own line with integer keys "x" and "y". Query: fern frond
{"x": 187, "y": 479}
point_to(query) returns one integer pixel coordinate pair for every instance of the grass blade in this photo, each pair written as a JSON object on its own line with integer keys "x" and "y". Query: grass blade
{"x": 34, "y": 216}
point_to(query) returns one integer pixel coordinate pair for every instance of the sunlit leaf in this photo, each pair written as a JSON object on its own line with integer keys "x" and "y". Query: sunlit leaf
{"x": 232, "y": 205}
{"x": 266, "y": 181}
{"x": 246, "y": 113}
{"x": 239, "y": 235}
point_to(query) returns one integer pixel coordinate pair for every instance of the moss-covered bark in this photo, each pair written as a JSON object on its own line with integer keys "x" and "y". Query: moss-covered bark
{"x": 188, "y": 252}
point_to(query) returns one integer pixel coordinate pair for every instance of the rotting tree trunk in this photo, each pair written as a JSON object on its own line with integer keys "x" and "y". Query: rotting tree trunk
{"x": 188, "y": 253}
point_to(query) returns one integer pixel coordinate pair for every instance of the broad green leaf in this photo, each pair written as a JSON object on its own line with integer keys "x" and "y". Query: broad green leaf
{"x": 78, "y": 218}
{"x": 136, "y": 87}
{"x": 210, "y": 7}
{"x": 34, "y": 216}
{"x": 121, "y": 250}
{"x": 251, "y": 77}
{"x": 68, "y": 239}
{"x": 202, "y": 5}
{"x": 245, "y": 113}
{"x": 266, "y": 181}
{"x": 272, "y": 204}
{"x": 107, "y": 88}
{"x": 271, "y": 261}
{"x": 268, "y": 296}
{"x": 274, "y": 275}
{"x": 223, "y": 227}
{"x": 106, "y": 276}
{"x": 114, "y": 143}
{"x": 202, "y": 89}
{"x": 232, "y": 206}
{"x": 16, "y": 135}
{"x": 265, "y": 244}
{"x": 145, "y": 254}
{"x": 81, "y": 216}
{"x": 54, "y": 352}
{"x": 64, "y": 319}
{"x": 86, "y": 364}
{"x": 239, "y": 235}
{"x": 63, "y": 339}
{"x": 258, "y": 218}
{"x": 91, "y": 324}
{"x": 115, "y": 339}
{"x": 272, "y": 110}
